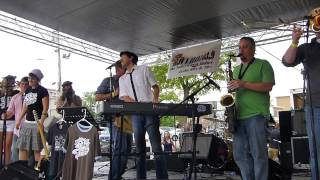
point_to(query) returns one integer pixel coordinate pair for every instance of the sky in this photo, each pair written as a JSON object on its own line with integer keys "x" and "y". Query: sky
{"x": 19, "y": 56}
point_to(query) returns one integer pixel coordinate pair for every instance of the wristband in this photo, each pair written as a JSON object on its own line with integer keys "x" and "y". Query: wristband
{"x": 294, "y": 45}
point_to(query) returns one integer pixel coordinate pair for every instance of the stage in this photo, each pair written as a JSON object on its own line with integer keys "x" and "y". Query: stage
{"x": 102, "y": 173}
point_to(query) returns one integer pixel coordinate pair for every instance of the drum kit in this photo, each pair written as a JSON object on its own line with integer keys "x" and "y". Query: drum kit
{"x": 221, "y": 157}
{"x": 223, "y": 146}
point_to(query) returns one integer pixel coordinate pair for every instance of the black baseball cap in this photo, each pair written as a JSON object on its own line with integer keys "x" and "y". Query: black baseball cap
{"x": 67, "y": 83}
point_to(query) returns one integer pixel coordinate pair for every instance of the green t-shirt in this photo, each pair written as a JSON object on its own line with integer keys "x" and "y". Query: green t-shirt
{"x": 250, "y": 103}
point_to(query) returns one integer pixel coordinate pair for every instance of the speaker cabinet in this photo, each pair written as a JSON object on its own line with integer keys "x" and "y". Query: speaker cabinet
{"x": 174, "y": 163}
{"x": 300, "y": 152}
{"x": 292, "y": 123}
{"x": 286, "y": 157}
{"x": 19, "y": 171}
{"x": 276, "y": 172}
{"x": 203, "y": 146}
{"x": 285, "y": 126}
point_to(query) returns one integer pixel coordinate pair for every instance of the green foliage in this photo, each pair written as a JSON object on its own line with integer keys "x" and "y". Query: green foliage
{"x": 167, "y": 121}
{"x": 171, "y": 88}
{"x": 89, "y": 101}
{"x": 169, "y": 96}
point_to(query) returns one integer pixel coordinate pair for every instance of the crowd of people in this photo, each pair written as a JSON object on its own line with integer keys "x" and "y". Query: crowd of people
{"x": 22, "y": 138}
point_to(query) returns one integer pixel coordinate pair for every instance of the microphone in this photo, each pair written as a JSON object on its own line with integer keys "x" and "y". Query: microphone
{"x": 109, "y": 67}
{"x": 212, "y": 82}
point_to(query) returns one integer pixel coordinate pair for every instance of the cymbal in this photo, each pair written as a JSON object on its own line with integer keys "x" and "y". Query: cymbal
{"x": 213, "y": 119}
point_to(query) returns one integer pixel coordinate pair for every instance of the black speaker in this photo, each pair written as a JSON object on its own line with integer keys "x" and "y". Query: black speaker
{"x": 149, "y": 164}
{"x": 300, "y": 152}
{"x": 276, "y": 172}
{"x": 285, "y": 126}
{"x": 19, "y": 171}
{"x": 174, "y": 163}
{"x": 203, "y": 146}
{"x": 286, "y": 157}
{"x": 292, "y": 123}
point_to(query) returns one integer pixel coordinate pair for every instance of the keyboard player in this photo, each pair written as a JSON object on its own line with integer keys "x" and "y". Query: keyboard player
{"x": 139, "y": 85}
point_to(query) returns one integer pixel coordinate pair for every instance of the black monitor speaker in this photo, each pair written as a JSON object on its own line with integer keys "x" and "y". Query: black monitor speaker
{"x": 18, "y": 170}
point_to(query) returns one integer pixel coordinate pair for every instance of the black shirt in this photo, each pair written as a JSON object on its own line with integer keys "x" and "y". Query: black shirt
{"x": 167, "y": 146}
{"x": 104, "y": 87}
{"x": 3, "y": 104}
{"x": 33, "y": 100}
{"x": 56, "y": 139}
{"x": 309, "y": 54}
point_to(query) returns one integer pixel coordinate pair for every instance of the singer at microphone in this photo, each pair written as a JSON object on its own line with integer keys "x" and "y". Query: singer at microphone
{"x": 113, "y": 64}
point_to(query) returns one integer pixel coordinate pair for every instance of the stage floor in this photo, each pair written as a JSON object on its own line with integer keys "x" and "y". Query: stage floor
{"x": 102, "y": 173}
{"x": 101, "y": 170}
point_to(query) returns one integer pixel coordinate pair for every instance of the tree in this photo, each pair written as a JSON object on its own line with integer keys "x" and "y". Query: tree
{"x": 89, "y": 101}
{"x": 170, "y": 88}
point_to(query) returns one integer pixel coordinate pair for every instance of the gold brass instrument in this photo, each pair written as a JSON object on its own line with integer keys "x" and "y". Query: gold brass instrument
{"x": 228, "y": 101}
{"x": 314, "y": 19}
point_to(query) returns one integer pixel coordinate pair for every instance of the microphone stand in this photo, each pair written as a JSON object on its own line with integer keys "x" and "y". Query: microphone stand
{"x": 111, "y": 83}
{"x": 110, "y": 125}
{"x": 306, "y": 77}
{"x": 196, "y": 126}
{"x": 4, "y": 133}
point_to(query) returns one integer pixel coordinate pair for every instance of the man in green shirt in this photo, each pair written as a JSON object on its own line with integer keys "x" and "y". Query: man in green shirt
{"x": 253, "y": 80}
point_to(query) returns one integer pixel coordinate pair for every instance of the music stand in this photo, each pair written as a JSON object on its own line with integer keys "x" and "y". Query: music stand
{"x": 74, "y": 114}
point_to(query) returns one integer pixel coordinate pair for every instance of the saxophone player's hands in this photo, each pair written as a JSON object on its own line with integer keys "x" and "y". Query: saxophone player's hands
{"x": 235, "y": 84}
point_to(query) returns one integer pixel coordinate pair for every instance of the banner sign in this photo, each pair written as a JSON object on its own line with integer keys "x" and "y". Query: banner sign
{"x": 195, "y": 60}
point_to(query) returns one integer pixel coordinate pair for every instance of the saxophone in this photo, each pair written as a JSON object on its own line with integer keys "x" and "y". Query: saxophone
{"x": 228, "y": 101}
